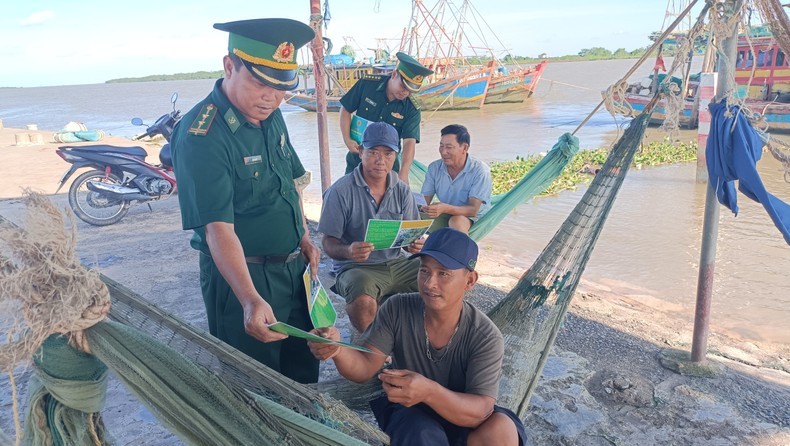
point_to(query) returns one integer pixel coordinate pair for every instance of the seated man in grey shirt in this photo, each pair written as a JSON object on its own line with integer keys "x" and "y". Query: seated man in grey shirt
{"x": 446, "y": 356}
{"x": 461, "y": 182}
{"x": 372, "y": 190}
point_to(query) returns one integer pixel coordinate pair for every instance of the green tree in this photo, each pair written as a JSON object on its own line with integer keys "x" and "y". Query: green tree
{"x": 620, "y": 53}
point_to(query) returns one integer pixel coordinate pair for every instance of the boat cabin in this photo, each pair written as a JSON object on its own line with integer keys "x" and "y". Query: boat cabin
{"x": 770, "y": 80}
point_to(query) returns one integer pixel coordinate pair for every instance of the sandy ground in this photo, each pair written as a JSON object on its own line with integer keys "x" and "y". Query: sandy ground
{"x": 603, "y": 385}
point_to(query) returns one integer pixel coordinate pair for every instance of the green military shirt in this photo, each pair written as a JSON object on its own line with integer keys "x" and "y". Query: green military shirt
{"x": 229, "y": 170}
{"x": 368, "y": 98}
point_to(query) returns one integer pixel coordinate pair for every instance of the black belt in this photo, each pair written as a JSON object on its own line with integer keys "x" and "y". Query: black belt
{"x": 286, "y": 258}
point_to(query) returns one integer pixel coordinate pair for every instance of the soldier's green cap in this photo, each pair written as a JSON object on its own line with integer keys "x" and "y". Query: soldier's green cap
{"x": 411, "y": 72}
{"x": 268, "y": 48}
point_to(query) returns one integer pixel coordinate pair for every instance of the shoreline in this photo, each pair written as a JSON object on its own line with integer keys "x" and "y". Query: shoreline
{"x": 605, "y": 336}
{"x": 503, "y": 273}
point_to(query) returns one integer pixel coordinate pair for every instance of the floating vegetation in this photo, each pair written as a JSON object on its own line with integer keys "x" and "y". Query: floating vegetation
{"x": 584, "y": 165}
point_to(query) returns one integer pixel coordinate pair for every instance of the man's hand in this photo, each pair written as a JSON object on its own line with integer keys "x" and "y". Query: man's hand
{"x": 359, "y": 251}
{"x": 311, "y": 254}
{"x": 416, "y": 246}
{"x": 353, "y": 147}
{"x": 323, "y": 351}
{"x": 433, "y": 210}
{"x": 257, "y": 315}
{"x": 406, "y": 387}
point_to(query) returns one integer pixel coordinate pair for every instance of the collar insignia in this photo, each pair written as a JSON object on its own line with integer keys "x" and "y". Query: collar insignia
{"x": 284, "y": 52}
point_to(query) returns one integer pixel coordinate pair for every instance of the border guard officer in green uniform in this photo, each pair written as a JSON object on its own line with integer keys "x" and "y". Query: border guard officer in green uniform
{"x": 236, "y": 169}
{"x": 386, "y": 98}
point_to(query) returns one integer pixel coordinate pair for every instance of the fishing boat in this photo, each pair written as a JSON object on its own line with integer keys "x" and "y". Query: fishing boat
{"x": 762, "y": 77}
{"x": 638, "y": 94}
{"x": 513, "y": 85}
{"x": 456, "y": 84}
{"x": 341, "y": 76}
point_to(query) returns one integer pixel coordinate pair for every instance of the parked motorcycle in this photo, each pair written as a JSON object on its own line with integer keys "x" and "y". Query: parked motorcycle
{"x": 119, "y": 176}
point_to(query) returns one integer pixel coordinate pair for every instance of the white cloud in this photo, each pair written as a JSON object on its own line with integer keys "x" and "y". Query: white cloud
{"x": 38, "y": 18}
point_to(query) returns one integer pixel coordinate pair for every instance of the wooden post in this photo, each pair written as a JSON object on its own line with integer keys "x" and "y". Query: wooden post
{"x": 316, "y": 20}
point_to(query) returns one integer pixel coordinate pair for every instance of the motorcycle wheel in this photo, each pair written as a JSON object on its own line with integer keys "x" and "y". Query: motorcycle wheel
{"x": 92, "y": 207}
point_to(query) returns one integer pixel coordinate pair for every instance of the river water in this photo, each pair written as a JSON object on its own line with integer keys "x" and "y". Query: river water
{"x": 649, "y": 248}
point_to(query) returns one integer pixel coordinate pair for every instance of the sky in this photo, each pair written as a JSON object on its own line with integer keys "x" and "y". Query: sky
{"x": 65, "y": 42}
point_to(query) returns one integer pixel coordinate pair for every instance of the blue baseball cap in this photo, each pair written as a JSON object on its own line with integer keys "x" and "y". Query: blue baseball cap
{"x": 452, "y": 248}
{"x": 381, "y": 134}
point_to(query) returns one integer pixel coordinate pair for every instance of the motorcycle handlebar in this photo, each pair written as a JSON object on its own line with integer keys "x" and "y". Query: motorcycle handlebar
{"x": 163, "y": 126}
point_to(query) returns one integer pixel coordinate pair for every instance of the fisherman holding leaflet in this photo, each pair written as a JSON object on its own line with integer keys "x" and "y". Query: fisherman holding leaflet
{"x": 446, "y": 356}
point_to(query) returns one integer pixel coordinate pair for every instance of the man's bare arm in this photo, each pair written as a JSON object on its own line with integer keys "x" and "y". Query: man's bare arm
{"x": 353, "y": 365}
{"x": 469, "y": 210}
{"x": 345, "y": 130}
{"x": 407, "y": 157}
{"x": 409, "y": 388}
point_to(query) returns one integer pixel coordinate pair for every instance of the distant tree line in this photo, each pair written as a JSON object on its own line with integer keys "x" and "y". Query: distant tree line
{"x": 594, "y": 53}
{"x": 170, "y": 77}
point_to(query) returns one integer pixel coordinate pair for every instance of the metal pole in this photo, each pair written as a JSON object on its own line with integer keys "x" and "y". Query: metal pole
{"x": 316, "y": 20}
{"x": 725, "y": 66}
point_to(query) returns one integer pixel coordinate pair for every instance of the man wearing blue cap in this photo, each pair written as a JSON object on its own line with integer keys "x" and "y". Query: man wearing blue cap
{"x": 387, "y": 99}
{"x": 446, "y": 356}
{"x": 372, "y": 190}
{"x": 236, "y": 169}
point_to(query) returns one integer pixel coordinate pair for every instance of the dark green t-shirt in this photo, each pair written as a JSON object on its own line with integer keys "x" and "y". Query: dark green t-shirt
{"x": 368, "y": 98}
{"x": 471, "y": 363}
{"x": 229, "y": 170}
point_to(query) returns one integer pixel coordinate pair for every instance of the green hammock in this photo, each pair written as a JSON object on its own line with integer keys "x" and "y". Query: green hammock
{"x": 208, "y": 393}
{"x": 534, "y": 182}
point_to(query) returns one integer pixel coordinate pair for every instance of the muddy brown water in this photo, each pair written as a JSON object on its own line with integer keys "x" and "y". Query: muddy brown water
{"x": 649, "y": 248}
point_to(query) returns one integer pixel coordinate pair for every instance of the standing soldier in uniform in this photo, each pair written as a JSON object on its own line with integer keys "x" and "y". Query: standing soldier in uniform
{"x": 236, "y": 170}
{"x": 386, "y": 98}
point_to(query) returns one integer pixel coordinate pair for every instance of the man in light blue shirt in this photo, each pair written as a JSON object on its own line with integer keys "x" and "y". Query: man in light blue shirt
{"x": 461, "y": 182}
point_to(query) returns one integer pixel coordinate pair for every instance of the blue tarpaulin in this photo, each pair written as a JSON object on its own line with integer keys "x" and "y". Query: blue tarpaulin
{"x": 733, "y": 150}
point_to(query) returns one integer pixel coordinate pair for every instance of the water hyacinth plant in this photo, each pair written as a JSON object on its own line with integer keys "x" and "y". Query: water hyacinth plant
{"x": 583, "y": 166}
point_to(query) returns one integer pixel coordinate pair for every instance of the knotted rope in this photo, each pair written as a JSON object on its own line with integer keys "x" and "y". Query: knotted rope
{"x": 45, "y": 291}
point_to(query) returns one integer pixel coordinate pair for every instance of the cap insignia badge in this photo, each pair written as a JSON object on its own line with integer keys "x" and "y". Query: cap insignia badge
{"x": 284, "y": 52}
{"x": 418, "y": 79}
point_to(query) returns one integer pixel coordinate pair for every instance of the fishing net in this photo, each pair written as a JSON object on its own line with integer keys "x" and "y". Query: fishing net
{"x": 534, "y": 182}
{"x": 205, "y": 395}
{"x": 530, "y": 315}
{"x": 774, "y": 15}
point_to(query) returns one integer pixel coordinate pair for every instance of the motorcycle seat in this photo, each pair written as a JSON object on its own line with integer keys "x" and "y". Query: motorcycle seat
{"x": 135, "y": 151}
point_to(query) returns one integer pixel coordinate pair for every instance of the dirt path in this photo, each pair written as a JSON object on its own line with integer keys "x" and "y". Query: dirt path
{"x": 604, "y": 383}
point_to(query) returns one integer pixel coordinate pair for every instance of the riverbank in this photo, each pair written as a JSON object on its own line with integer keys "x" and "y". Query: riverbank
{"x": 603, "y": 384}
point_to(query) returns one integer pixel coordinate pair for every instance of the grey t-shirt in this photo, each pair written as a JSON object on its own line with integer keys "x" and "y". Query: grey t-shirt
{"x": 348, "y": 205}
{"x": 472, "y": 363}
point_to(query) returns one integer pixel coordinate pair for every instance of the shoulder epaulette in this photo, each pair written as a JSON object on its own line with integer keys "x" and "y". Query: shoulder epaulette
{"x": 373, "y": 77}
{"x": 203, "y": 120}
{"x": 414, "y": 102}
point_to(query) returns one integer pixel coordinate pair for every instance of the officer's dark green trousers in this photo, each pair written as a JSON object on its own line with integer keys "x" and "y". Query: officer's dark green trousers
{"x": 282, "y": 286}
